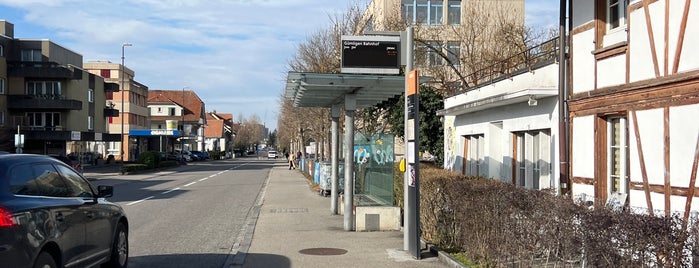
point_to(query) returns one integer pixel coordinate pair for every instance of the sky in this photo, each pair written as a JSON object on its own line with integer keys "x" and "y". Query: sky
{"x": 233, "y": 54}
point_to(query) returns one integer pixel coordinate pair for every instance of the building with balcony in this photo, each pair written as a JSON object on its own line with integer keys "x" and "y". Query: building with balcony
{"x": 182, "y": 110}
{"x": 634, "y": 103}
{"x": 47, "y": 96}
{"x": 135, "y": 114}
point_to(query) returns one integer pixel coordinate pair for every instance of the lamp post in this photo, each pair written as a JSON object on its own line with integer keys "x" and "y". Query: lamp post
{"x": 182, "y": 135}
{"x": 123, "y": 114}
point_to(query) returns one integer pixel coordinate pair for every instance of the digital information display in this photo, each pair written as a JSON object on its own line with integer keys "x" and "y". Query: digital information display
{"x": 371, "y": 54}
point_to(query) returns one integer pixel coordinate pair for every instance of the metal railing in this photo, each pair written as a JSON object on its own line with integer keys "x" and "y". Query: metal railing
{"x": 526, "y": 61}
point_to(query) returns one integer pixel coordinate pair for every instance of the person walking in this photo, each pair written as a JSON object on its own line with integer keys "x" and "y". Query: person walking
{"x": 292, "y": 160}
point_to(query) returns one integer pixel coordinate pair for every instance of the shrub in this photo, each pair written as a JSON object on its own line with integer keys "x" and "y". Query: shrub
{"x": 150, "y": 159}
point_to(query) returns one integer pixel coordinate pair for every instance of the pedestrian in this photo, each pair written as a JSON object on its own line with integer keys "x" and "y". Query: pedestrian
{"x": 292, "y": 159}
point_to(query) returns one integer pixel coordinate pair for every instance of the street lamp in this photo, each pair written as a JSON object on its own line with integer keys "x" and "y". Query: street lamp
{"x": 123, "y": 114}
{"x": 182, "y": 134}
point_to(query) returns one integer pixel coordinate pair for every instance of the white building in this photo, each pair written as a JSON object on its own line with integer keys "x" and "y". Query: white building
{"x": 507, "y": 127}
{"x": 634, "y": 102}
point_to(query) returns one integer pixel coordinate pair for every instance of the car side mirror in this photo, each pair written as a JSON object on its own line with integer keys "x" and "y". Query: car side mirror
{"x": 105, "y": 191}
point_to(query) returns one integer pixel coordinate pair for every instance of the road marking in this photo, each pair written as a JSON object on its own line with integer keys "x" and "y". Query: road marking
{"x": 189, "y": 184}
{"x": 204, "y": 179}
{"x": 139, "y": 201}
{"x": 169, "y": 191}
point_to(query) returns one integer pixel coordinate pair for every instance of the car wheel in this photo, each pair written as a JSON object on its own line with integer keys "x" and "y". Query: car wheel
{"x": 120, "y": 248}
{"x": 45, "y": 260}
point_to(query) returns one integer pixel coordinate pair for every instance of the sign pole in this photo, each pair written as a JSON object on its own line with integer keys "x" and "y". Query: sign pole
{"x": 411, "y": 188}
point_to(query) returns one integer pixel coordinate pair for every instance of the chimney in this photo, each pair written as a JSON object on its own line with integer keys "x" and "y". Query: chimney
{"x": 7, "y": 29}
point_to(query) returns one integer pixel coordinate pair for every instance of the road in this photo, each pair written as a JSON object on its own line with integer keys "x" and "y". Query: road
{"x": 193, "y": 218}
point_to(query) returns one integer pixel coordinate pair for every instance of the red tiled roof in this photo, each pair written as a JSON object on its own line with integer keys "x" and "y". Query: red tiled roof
{"x": 193, "y": 105}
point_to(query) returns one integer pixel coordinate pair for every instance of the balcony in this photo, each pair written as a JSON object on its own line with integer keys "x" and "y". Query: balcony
{"x": 42, "y": 102}
{"x": 111, "y": 87}
{"x": 50, "y": 70}
{"x": 111, "y": 112}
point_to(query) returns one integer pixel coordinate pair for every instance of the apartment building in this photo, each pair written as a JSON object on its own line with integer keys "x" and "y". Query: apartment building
{"x": 452, "y": 37}
{"x": 134, "y": 107}
{"x": 177, "y": 109}
{"x": 47, "y": 96}
{"x": 634, "y": 103}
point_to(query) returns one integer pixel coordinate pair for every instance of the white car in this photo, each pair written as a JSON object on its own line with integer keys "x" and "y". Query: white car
{"x": 272, "y": 154}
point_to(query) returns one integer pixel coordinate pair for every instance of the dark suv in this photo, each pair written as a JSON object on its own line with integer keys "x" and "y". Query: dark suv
{"x": 51, "y": 216}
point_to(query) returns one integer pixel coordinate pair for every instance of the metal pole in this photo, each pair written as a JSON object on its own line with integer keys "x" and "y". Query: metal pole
{"x": 562, "y": 103}
{"x": 406, "y": 211}
{"x": 123, "y": 99}
{"x": 182, "y": 135}
{"x": 350, "y": 107}
{"x": 334, "y": 158}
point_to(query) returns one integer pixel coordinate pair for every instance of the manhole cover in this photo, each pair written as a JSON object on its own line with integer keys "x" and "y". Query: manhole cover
{"x": 323, "y": 251}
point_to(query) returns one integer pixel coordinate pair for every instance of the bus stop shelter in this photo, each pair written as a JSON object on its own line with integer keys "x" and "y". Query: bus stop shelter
{"x": 342, "y": 91}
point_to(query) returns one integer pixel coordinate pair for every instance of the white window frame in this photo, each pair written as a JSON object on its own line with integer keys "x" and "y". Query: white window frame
{"x": 454, "y": 52}
{"x": 451, "y": 18}
{"x": 434, "y": 11}
{"x": 2, "y": 86}
{"x": 475, "y": 159}
{"x": 617, "y": 179}
{"x": 90, "y": 122}
{"x": 619, "y": 7}
{"x": 2, "y": 50}
{"x": 43, "y": 88}
{"x": 533, "y": 158}
{"x": 90, "y": 95}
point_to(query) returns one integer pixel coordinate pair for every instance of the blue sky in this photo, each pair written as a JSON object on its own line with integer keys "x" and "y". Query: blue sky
{"x": 232, "y": 53}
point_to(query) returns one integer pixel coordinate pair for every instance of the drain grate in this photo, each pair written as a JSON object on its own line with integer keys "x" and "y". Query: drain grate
{"x": 289, "y": 210}
{"x": 323, "y": 251}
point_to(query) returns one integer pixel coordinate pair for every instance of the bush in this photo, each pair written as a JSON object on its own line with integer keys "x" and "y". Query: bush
{"x": 150, "y": 159}
{"x": 168, "y": 163}
{"x": 129, "y": 168}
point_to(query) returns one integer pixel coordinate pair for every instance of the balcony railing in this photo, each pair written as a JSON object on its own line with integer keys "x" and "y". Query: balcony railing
{"x": 526, "y": 61}
{"x": 43, "y": 70}
{"x": 43, "y": 102}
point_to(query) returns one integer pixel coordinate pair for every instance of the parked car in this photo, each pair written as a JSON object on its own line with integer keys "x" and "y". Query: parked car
{"x": 200, "y": 155}
{"x": 51, "y": 216}
{"x": 185, "y": 155}
{"x": 272, "y": 154}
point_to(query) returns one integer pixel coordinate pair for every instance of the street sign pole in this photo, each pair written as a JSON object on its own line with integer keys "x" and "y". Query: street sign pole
{"x": 411, "y": 188}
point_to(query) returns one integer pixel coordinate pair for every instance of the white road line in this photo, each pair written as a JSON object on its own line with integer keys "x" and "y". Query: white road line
{"x": 189, "y": 184}
{"x": 170, "y": 191}
{"x": 204, "y": 179}
{"x": 139, "y": 201}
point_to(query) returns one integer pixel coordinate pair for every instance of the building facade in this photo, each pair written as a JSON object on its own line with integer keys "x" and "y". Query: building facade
{"x": 634, "y": 103}
{"x": 47, "y": 96}
{"x": 135, "y": 114}
{"x": 218, "y": 134}
{"x": 184, "y": 109}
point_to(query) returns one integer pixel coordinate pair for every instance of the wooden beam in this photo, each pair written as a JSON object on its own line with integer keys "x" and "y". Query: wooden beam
{"x": 642, "y": 161}
{"x": 666, "y": 149}
{"x": 651, "y": 37}
{"x": 692, "y": 182}
{"x": 667, "y": 38}
{"x": 680, "y": 40}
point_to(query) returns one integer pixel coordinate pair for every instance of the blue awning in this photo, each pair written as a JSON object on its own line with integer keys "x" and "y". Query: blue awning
{"x": 154, "y": 132}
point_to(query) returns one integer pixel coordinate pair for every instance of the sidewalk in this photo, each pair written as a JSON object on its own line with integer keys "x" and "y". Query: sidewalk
{"x": 295, "y": 228}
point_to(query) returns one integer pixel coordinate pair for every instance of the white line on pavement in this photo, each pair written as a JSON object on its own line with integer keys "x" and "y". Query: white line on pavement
{"x": 139, "y": 201}
{"x": 171, "y": 190}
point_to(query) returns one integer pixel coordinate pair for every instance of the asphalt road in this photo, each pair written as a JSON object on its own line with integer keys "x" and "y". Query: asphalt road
{"x": 193, "y": 218}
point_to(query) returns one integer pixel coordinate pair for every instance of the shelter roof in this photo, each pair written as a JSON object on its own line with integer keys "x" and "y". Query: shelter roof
{"x": 324, "y": 90}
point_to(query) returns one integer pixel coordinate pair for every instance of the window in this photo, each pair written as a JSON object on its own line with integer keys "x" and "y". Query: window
{"x": 172, "y": 112}
{"x": 2, "y": 86}
{"x": 44, "y": 120}
{"x": 77, "y": 185}
{"x": 617, "y": 151}
{"x": 49, "y": 89}
{"x": 91, "y": 95}
{"x": 2, "y": 118}
{"x": 31, "y": 55}
{"x": 90, "y": 122}
{"x": 429, "y": 12}
{"x": 474, "y": 161}
{"x": 454, "y": 53}
{"x": 616, "y": 13}
{"x": 2, "y": 51}
{"x": 532, "y": 158}
{"x": 454, "y": 12}
{"x": 39, "y": 179}
{"x": 433, "y": 57}
{"x": 105, "y": 73}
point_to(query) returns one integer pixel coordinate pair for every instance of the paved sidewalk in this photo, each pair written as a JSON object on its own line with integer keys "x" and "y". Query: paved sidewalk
{"x": 295, "y": 228}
